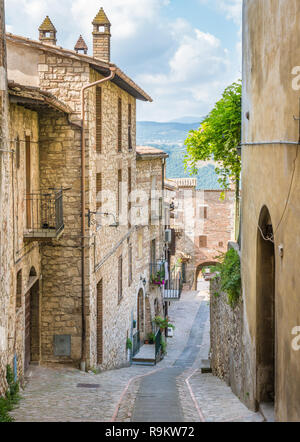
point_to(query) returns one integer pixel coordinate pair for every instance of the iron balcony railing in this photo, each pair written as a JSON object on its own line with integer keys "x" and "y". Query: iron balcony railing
{"x": 44, "y": 214}
{"x": 170, "y": 281}
{"x": 136, "y": 344}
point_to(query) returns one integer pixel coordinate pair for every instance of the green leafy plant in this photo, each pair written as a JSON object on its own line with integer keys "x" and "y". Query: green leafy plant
{"x": 158, "y": 278}
{"x": 218, "y": 138}
{"x": 129, "y": 344}
{"x": 11, "y": 398}
{"x": 229, "y": 273}
{"x": 163, "y": 323}
{"x": 151, "y": 338}
{"x": 163, "y": 346}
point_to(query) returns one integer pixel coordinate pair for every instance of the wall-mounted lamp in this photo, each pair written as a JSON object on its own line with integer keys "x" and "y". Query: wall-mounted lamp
{"x": 143, "y": 280}
{"x": 89, "y": 215}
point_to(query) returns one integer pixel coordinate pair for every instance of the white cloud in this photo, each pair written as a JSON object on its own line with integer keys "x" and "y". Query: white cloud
{"x": 183, "y": 68}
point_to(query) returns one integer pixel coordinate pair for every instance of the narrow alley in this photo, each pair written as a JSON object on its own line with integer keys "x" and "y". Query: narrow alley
{"x": 175, "y": 390}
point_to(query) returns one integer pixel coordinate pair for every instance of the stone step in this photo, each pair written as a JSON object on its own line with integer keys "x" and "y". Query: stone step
{"x": 205, "y": 366}
{"x": 148, "y": 362}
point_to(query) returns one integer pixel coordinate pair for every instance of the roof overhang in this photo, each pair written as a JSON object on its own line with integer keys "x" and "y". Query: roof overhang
{"x": 35, "y": 99}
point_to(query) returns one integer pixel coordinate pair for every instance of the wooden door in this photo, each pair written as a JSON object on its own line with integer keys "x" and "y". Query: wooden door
{"x": 100, "y": 323}
{"x": 27, "y": 329}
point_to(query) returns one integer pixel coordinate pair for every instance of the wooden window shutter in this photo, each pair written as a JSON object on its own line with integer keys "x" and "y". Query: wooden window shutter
{"x": 119, "y": 202}
{"x": 202, "y": 241}
{"x": 173, "y": 243}
{"x": 99, "y": 119}
{"x": 120, "y": 279}
{"x": 129, "y": 127}
{"x": 129, "y": 194}
{"x": 120, "y": 125}
{"x": 100, "y": 322}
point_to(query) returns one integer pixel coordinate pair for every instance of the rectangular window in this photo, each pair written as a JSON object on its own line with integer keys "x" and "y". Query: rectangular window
{"x": 203, "y": 212}
{"x": 120, "y": 279}
{"x": 98, "y": 197}
{"x": 129, "y": 195}
{"x": 202, "y": 241}
{"x": 119, "y": 202}
{"x": 130, "y": 265}
{"x": 99, "y": 119}
{"x": 120, "y": 125}
{"x": 19, "y": 290}
{"x": 129, "y": 127}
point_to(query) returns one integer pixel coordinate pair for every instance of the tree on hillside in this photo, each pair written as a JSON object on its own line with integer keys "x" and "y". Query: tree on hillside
{"x": 219, "y": 137}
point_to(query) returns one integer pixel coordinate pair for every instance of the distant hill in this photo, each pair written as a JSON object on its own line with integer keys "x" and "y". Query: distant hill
{"x": 170, "y": 137}
{"x": 188, "y": 120}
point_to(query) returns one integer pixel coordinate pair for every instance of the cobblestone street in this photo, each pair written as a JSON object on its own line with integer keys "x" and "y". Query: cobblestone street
{"x": 132, "y": 394}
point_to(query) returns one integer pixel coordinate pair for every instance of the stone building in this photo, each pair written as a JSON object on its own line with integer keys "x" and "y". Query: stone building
{"x": 151, "y": 240}
{"x": 271, "y": 205}
{"x": 5, "y": 207}
{"x": 74, "y": 287}
{"x": 203, "y": 224}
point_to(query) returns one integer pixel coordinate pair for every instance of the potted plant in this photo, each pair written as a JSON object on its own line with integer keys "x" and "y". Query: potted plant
{"x": 151, "y": 337}
{"x": 163, "y": 323}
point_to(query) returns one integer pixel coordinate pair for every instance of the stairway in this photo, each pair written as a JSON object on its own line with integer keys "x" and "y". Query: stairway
{"x": 146, "y": 356}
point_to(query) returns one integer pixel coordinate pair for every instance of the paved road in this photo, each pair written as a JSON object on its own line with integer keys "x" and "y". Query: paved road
{"x": 158, "y": 396}
{"x": 54, "y": 395}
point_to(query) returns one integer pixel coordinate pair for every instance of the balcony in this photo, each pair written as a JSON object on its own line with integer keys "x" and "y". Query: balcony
{"x": 44, "y": 215}
{"x": 170, "y": 282}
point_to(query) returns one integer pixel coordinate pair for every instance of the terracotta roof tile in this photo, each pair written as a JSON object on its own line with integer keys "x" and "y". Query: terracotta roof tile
{"x": 150, "y": 151}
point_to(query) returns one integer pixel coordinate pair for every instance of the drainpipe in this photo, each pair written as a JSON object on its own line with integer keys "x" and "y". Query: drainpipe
{"x": 83, "y": 201}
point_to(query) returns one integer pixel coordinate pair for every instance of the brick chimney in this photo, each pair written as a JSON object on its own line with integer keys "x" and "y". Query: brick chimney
{"x": 47, "y": 32}
{"x": 101, "y": 36}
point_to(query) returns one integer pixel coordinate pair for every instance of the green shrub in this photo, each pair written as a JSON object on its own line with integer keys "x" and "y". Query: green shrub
{"x": 229, "y": 273}
{"x": 11, "y": 398}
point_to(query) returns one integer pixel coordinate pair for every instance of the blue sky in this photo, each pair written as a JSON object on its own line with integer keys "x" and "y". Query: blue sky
{"x": 182, "y": 52}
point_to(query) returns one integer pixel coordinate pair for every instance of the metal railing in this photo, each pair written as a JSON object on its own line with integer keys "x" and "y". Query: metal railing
{"x": 44, "y": 214}
{"x": 136, "y": 344}
{"x": 173, "y": 287}
{"x": 157, "y": 344}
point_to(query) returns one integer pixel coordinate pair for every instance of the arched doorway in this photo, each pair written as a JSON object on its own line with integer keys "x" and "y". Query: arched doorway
{"x": 32, "y": 329}
{"x": 140, "y": 314}
{"x": 200, "y": 267}
{"x": 265, "y": 311}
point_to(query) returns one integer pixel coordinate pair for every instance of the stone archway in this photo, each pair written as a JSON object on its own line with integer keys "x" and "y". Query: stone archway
{"x": 199, "y": 269}
{"x": 265, "y": 311}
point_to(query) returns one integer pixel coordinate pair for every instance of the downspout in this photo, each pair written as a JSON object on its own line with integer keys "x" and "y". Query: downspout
{"x": 83, "y": 202}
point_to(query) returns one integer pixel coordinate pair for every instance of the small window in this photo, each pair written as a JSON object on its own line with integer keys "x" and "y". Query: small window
{"x": 19, "y": 290}
{"x": 203, "y": 212}
{"x": 202, "y": 241}
{"x": 221, "y": 244}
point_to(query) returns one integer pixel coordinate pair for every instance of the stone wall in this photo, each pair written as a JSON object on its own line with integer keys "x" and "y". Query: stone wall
{"x": 5, "y": 209}
{"x": 227, "y": 350}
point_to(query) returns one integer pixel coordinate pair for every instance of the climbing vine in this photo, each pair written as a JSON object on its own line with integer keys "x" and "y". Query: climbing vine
{"x": 229, "y": 273}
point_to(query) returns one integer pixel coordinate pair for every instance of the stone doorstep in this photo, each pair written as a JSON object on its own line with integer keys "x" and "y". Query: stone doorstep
{"x": 205, "y": 366}
{"x": 268, "y": 411}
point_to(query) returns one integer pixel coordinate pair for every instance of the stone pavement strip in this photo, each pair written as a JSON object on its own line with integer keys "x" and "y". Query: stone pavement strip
{"x": 53, "y": 395}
